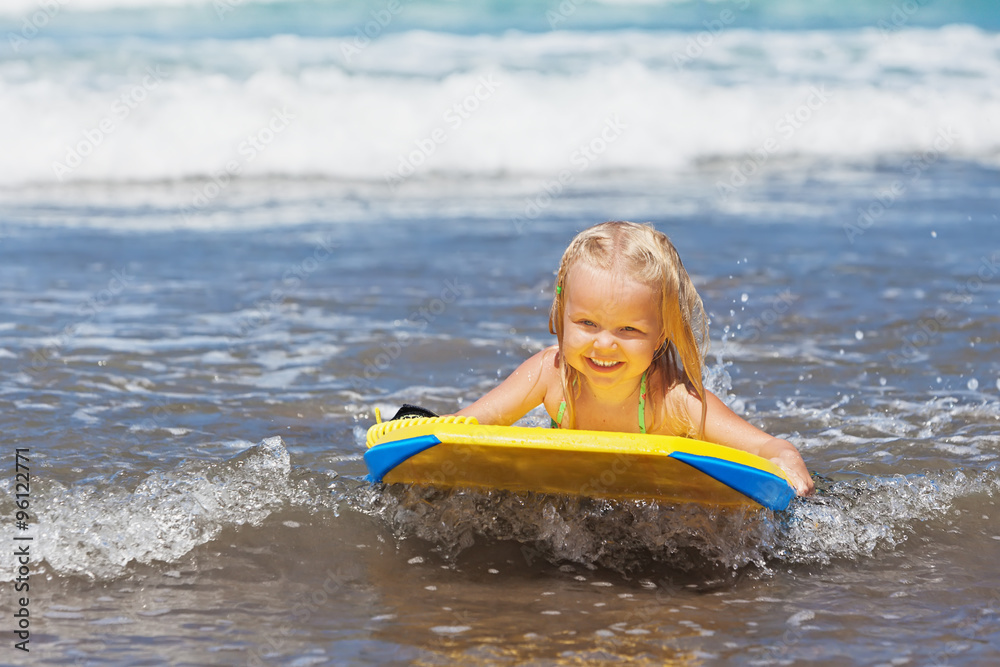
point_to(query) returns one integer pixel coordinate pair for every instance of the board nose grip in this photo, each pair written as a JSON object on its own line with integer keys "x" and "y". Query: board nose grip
{"x": 407, "y": 411}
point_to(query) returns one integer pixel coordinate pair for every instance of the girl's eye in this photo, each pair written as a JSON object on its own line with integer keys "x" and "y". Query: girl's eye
{"x": 631, "y": 329}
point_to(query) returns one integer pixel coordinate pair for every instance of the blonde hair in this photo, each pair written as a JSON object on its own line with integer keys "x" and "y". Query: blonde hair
{"x": 646, "y": 256}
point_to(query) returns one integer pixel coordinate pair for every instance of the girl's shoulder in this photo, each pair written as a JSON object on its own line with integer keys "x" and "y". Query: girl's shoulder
{"x": 677, "y": 392}
{"x": 549, "y": 362}
{"x": 550, "y": 357}
{"x": 676, "y": 406}
{"x": 542, "y": 368}
{"x": 550, "y": 375}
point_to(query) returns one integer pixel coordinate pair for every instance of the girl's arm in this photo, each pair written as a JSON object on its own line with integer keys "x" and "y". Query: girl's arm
{"x": 725, "y": 427}
{"x": 512, "y": 399}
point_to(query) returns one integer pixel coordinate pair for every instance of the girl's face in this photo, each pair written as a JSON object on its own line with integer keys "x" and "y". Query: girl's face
{"x": 611, "y": 326}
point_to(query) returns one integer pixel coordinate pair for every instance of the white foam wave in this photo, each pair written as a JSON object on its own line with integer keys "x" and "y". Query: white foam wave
{"x": 98, "y": 529}
{"x": 415, "y": 104}
{"x": 856, "y": 518}
{"x": 851, "y": 519}
{"x": 624, "y": 536}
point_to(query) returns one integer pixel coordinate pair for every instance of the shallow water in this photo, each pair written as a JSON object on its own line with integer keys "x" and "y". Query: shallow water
{"x": 195, "y": 402}
{"x": 226, "y": 239}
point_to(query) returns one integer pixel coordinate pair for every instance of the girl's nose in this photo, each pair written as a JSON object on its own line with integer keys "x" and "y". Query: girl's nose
{"x": 604, "y": 341}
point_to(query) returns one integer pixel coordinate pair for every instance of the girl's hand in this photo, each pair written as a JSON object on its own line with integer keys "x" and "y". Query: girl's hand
{"x": 725, "y": 427}
{"x": 790, "y": 461}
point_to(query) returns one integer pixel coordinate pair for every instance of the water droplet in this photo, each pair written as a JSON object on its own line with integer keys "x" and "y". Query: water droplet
{"x": 882, "y": 381}
{"x": 744, "y": 297}
{"x": 859, "y": 334}
{"x": 973, "y": 384}
{"x": 933, "y": 235}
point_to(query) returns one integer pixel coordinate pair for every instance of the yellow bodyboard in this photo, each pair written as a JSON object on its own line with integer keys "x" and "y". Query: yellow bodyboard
{"x": 460, "y": 452}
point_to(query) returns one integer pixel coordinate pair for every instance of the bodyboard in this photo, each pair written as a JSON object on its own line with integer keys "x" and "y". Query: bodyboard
{"x": 460, "y": 452}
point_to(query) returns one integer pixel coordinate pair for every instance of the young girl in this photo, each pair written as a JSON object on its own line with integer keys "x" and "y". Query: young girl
{"x": 631, "y": 334}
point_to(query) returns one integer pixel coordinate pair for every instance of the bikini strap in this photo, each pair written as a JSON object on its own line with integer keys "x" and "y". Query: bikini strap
{"x": 642, "y": 404}
{"x": 557, "y": 422}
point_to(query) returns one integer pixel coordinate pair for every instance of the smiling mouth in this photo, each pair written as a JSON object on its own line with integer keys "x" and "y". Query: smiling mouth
{"x": 603, "y": 364}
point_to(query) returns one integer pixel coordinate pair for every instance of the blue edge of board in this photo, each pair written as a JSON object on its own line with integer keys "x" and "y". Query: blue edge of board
{"x": 763, "y": 487}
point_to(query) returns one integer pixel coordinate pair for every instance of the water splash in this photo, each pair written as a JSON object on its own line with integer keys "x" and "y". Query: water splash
{"x": 718, "y": 381}
{"x": 97, "y": 529}
{"x": 850, "y": 519}
{"x": 625, "y": 536}
{"x": 856, "y": 518}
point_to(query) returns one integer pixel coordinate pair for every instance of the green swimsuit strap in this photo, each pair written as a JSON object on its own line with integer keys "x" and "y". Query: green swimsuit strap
{"x": 642, "y": 404}
{"x": 642, "y": 408}
{"x": 558, "y": 420}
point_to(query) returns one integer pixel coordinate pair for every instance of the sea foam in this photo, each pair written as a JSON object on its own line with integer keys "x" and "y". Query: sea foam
{"x": 415, "y": 104}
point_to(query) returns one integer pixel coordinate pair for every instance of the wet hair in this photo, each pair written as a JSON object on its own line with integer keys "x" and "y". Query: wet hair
{"x": 645, "y": 255}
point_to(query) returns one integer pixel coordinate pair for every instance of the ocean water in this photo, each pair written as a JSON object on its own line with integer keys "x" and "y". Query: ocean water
{"x": 230, "y": 230}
